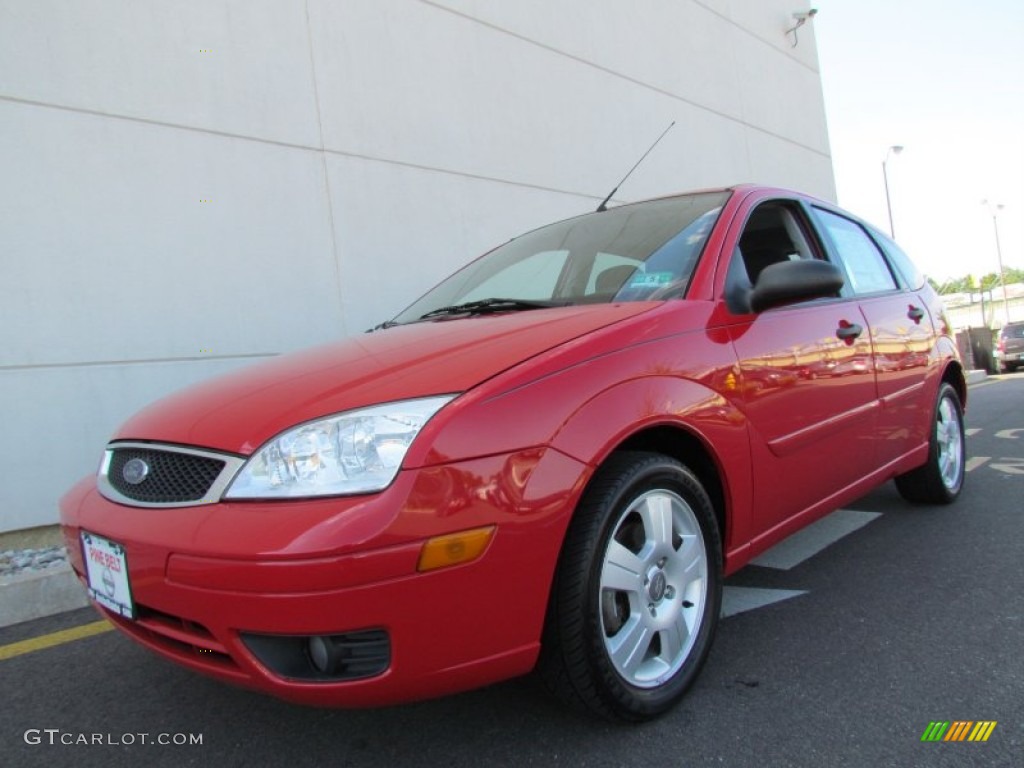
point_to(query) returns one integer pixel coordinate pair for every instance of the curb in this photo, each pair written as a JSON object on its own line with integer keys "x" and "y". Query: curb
{"x": 34, "y": 595}
{"x": 975, "y": 376}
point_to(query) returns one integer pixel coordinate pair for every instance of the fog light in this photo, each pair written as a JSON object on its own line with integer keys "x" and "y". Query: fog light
{"x": 323, "y": 658}
{"x": 323, "y": 653}
{"x": 455, "y": 548}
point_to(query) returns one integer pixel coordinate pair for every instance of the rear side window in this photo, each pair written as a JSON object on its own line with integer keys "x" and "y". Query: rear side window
{"x": 865, "y": 266}
{"x": 913, "y": 278}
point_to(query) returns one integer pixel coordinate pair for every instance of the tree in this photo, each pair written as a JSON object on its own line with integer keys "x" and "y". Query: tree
{"x": 989, "y": 281}
{"x": 963, "y": 284}
{"x": 968, "y": 283}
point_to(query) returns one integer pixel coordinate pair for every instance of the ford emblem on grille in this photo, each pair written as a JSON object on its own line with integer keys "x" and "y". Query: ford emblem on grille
{"x": 135, "y": 471}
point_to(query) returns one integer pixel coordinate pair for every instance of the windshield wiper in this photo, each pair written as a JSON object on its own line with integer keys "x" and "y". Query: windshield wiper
{"x": 484, "y": 306}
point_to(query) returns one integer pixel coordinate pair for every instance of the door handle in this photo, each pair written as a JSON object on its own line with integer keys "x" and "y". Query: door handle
{"x": 915, "y": 313}
{"x": 848, "y": 332}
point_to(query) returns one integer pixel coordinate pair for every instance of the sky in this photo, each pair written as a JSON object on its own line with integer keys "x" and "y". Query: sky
{"x": 945, "y": 80}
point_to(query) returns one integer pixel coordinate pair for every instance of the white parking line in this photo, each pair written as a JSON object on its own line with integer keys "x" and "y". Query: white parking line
{"x": 974, "y": 462}
{"x": 739, "y": 599}
{"x": 1010, "y": 465}
{"x": 808, "y": 542}
{"x": 972, "y": 431}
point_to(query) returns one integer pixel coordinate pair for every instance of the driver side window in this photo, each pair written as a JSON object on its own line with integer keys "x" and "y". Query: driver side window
{"x": 772, "y": 235}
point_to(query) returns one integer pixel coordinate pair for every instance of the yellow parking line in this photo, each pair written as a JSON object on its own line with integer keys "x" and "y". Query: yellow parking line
{"x": 54, "y": 638}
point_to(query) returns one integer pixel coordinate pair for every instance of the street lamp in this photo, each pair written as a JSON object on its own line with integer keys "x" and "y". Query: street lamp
{"x": 994, "y": 209}
{"x": 895, "y": 149}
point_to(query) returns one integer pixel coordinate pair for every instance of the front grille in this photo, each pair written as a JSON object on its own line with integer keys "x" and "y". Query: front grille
{"x": 172, "y": 476}
{"x": 165, "y": 475}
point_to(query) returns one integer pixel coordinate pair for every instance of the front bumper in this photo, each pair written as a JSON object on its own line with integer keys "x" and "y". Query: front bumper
{"x": 205, "y": 580}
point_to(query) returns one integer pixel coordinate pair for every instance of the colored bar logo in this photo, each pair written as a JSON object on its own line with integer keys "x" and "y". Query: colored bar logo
{"x": 958, "y": 730}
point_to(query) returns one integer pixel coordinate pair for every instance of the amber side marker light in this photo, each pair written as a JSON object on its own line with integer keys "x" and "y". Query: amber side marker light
{"x": 455, "y": 548}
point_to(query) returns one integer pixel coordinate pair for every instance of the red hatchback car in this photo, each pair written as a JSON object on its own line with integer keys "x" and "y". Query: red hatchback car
{"x": 549, "y": 461}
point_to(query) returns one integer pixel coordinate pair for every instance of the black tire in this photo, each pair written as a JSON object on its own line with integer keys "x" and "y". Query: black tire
{"x": 941, "y": 478}
{"x": 646, "y": 527}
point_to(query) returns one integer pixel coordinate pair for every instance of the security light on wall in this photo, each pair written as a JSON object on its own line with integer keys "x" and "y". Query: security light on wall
{"x": 802, "y": 17}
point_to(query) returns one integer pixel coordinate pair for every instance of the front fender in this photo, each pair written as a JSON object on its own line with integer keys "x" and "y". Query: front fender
{"x": 609, "y": 418}
{"x": 615, "y": 415}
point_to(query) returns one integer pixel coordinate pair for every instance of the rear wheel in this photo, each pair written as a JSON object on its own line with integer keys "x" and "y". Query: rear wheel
{"x": 941, "y": 478}
{"x": 637, "y": 592}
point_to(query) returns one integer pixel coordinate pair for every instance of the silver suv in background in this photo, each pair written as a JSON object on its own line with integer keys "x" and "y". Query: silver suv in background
{"x": 1009, "y": 351}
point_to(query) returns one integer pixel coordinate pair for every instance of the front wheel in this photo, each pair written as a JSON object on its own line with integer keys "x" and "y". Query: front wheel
{"x": 637, "y": 592}
{"x": 941, "y": 478}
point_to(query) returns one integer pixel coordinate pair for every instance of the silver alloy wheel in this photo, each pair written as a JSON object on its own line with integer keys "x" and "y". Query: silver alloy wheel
{"x": 949, "y": 440}
{"x": 654, "y": 583}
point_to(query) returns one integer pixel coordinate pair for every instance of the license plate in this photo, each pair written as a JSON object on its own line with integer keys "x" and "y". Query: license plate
{"x": 106, "y": 570}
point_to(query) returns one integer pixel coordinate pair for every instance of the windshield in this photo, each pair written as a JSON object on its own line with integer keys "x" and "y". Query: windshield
{"x": 637, "y": 252}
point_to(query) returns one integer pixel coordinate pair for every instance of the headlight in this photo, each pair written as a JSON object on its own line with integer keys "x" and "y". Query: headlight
{"x": 354, "y": 452}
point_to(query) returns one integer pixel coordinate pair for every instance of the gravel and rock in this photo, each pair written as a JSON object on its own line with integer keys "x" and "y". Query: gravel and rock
{"x": 16, "y": 561}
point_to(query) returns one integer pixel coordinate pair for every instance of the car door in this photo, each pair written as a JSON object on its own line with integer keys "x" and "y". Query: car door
{"x": 902, "y": 331}
{"x": 805, "y": 380}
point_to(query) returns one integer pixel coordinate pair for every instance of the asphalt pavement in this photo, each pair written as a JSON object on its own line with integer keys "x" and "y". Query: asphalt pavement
{"x": 841, "y": 649}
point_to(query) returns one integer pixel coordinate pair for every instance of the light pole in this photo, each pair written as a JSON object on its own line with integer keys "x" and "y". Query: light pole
{"x": 895, "y": 149}
{"x": 994, "y": 209}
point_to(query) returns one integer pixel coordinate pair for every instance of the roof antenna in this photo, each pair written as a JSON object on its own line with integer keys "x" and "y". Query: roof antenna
{"x": 604, "y": 203}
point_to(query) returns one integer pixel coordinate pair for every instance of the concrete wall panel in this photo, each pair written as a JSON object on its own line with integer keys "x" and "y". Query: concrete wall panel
{"x": 125, "y": 241}
{"x": 194, "y": 184}
{"x": 237, "y": 66}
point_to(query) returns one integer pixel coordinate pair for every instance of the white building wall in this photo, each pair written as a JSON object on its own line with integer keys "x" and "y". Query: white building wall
{"x": 188, "y": 185}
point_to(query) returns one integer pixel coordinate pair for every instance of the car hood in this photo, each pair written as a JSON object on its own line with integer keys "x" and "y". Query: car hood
{"x": 242, "y": 410}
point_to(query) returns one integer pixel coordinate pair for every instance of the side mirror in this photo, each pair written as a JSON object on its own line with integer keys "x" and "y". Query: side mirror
{"x": 791, "y": 281}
